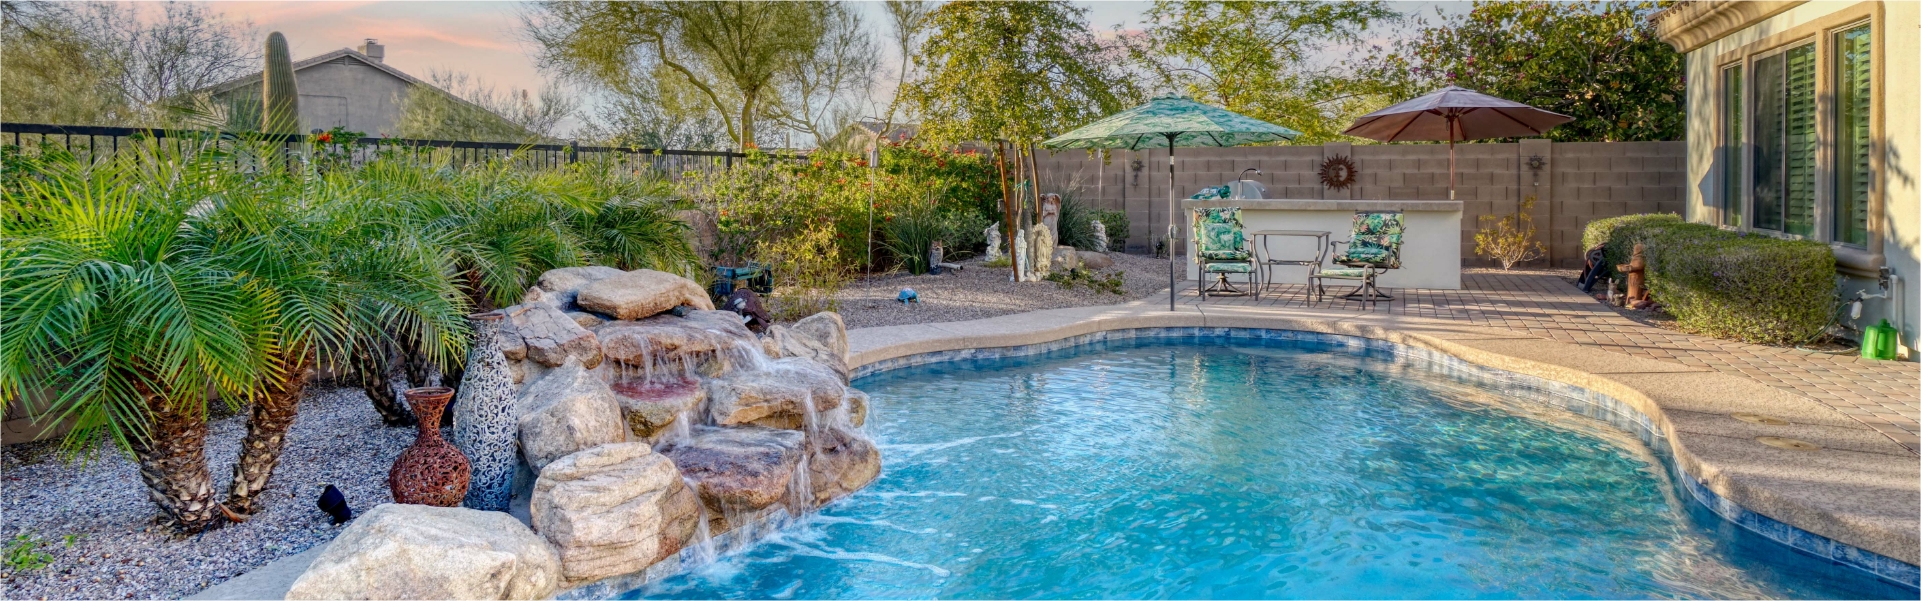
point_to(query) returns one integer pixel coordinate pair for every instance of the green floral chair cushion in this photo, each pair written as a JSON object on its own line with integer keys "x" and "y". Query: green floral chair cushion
{"x": 1219, "y": 235}
{"x": 1376, "y": 242}
{"x": 1212, "y": 193}
{"x": 1241, "y": 267}
{"x": 1344, "y": 272}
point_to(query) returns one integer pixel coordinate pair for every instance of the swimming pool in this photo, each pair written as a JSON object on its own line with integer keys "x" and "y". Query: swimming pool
{"x": 1209, "y": 467}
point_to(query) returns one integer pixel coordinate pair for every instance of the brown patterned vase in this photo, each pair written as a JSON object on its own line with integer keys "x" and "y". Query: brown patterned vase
{"x": 432, "y": 471}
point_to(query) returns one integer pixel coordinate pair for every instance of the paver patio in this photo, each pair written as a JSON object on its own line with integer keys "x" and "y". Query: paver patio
{"x": 1884, "y": 395}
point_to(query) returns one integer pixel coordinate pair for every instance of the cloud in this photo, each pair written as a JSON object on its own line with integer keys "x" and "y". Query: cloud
{"x": 398, "y": 30}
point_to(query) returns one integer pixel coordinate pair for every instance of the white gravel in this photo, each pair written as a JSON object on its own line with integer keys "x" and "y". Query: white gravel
{"x": 121, "y": 553}
{"x": 979, "y": 292}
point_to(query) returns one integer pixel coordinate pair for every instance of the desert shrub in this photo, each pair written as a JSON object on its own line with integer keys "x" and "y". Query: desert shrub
{"x": 1509, "y": 239}
{"x": 1619, "y": 233}
{"x": 1748, "y": 287}
{"x": 909, "y": 234}
{"x": 808, "y": 272}
{"x": 1077, "y": 225}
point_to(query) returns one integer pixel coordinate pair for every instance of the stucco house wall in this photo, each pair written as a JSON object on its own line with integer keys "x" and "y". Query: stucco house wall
{"x": 1715, "y": 34}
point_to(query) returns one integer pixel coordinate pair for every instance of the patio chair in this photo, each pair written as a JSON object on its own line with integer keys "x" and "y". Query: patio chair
{"x": 1374, "y": 247}
{"x": 1220, "y": 248}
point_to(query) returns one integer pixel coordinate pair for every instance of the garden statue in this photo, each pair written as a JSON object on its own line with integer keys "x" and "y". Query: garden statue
{"x": 1042, "y": 249}
{"x": 1050, "y": 213}
{"x": 485, "y": 427}
{"x": 747, "y": 303}
{"x": 993, "y": 242}
{"x": 935, "y": 255}
{"x": 1636, "y": 270}
{"x": 1019, "y": 257}
{"x": 1100, "y": 236}
{"x": 431, "y": 472}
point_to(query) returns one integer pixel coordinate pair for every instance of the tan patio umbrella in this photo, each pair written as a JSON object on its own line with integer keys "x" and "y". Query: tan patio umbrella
{"x": 1454, "y": 113}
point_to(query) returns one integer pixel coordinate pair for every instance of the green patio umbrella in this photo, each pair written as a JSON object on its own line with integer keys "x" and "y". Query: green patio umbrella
{"x": 1170, "y": 122}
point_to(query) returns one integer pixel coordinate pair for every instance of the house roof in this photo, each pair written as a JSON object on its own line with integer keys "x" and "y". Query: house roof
{"x": 1691, "y": 25}
{"x": 347, "y": 53}
{"x": 254, "y": 78}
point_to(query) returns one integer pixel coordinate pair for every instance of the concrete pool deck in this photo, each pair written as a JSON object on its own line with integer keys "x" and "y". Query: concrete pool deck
{"x": 1860, "y": 488}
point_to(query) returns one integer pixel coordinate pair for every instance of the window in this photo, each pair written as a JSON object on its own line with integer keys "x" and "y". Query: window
{"x": 1731, "y": 149}
{"x": 1784, "y": 141}
{"x": 1853, "y": 179}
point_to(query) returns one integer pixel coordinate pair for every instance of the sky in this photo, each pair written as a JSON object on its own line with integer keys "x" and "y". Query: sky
{"x": 483, "y": 38}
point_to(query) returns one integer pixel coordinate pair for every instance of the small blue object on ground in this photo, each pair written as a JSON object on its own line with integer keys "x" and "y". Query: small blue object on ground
{"x": 908, "y": 296}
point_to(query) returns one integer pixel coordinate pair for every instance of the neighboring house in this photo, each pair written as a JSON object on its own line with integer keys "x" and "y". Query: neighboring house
{"x": 1804, "y": 121}
{"x": 347, "y": 88}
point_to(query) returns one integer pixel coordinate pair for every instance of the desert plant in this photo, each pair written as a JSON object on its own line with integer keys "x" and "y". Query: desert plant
{"x": 1509, "y": 239}
{"x": 330, "y": 275}
{"x": 279, "y": 95}
{"x": 909, "y": 235}
{"x": 111, "y": 312}
{"x": 807, "y": 270}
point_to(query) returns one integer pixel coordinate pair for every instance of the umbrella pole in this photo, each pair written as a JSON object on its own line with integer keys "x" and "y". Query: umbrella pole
{"x": 1451, "y": 123}
{"x": 1170, "y": 222}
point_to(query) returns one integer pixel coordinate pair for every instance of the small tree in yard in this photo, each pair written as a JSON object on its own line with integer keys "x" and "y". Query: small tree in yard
{"x": 1013, "y": 71}
{"x": 1509, "y": 239}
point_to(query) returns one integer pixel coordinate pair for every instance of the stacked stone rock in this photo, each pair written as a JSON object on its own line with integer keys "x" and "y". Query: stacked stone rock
{"x": 637, "y": 425}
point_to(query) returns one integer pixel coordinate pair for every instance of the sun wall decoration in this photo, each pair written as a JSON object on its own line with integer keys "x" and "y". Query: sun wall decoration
{"x": 1337, "y": 172}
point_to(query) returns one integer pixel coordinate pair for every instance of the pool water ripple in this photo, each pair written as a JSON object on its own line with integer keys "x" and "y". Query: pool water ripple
{"x": 1216, "y": 468}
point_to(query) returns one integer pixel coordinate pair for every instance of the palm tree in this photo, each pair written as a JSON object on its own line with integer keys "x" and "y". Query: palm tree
{"x": 125, "y": 324}
{"x": 332, "y": 274}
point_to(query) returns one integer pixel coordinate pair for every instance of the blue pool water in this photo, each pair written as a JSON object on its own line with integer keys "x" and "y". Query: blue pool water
{"x": 1210, "y": 468}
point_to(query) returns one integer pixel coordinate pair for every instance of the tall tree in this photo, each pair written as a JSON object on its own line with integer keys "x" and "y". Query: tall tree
{"x": 827, "y": 91}
{"x": 1598, "y": 62}
{"x": 1264, "y": 59}
{"x": 1014, "y": 71}
{"x": 734, "y": 54}
{"x": 100, "y": 63}
{"x": 909, "y": 18}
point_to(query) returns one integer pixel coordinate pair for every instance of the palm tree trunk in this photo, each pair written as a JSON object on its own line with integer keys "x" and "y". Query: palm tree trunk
{"x": 267, "y": 426}
{"x": 173, "y": 463}
{"x": 376, "y": 380}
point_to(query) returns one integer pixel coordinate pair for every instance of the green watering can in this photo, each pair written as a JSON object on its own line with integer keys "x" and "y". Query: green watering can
{"x": 1877, "y": 341}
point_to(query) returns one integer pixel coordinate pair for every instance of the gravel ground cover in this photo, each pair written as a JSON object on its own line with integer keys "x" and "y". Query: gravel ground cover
{"x": 118, "y": 550}
{"x": 979, "y": 292}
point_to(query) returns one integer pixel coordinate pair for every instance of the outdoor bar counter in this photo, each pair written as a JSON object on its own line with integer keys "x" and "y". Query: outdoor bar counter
{"x": 1430, "y": 250}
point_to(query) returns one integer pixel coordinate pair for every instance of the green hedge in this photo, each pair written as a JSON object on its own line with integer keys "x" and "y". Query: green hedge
{"x": 1749, "y": 287}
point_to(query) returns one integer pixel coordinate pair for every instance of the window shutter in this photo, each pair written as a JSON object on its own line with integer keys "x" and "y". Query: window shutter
{"x": 1854, "y": 141}
{"x": 1801, "y": 141}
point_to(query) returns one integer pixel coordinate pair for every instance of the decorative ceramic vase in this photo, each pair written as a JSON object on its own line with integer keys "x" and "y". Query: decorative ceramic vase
{"x": 485, "y": 426}
{"x": 431, "y": 472}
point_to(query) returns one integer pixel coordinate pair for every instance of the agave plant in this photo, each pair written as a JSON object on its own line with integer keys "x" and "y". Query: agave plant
{"x": 123, "y": 324}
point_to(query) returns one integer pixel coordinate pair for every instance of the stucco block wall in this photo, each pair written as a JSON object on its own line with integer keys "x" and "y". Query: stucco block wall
{"x": 1576, "y": 183}
{"x": 1899, "y": 32}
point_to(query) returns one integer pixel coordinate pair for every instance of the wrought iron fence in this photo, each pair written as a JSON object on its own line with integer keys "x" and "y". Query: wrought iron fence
{"x": 89, "y": 142}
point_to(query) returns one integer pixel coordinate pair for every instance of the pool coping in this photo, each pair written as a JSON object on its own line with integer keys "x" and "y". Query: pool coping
{"x": 1856, "y": 501}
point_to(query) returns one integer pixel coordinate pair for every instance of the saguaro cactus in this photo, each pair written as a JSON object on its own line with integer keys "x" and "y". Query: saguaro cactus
{"x": 280, "y": 98}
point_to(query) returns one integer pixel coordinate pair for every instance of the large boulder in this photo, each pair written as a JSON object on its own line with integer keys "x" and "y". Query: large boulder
{"x": 777, "y": 397}
{"x": 1095, "y": 261}
{"x": 568, "y": 410}
{"x": 422, "y": 552}
{"x": 738, "y": 470}
{"x": 821, "y": 337}
{"x": 550, "y": 337}
{"x": 856, "y": 407}
{"x": 560, "y": 287}
{"x": 613, "y": 509}
{"x": 650, "y": 406}
{"x": 839, "y": 461}
{"x": 668, "y": 346}
{"x": 1066, "y": 258}
{"x": 641, "y": 293}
